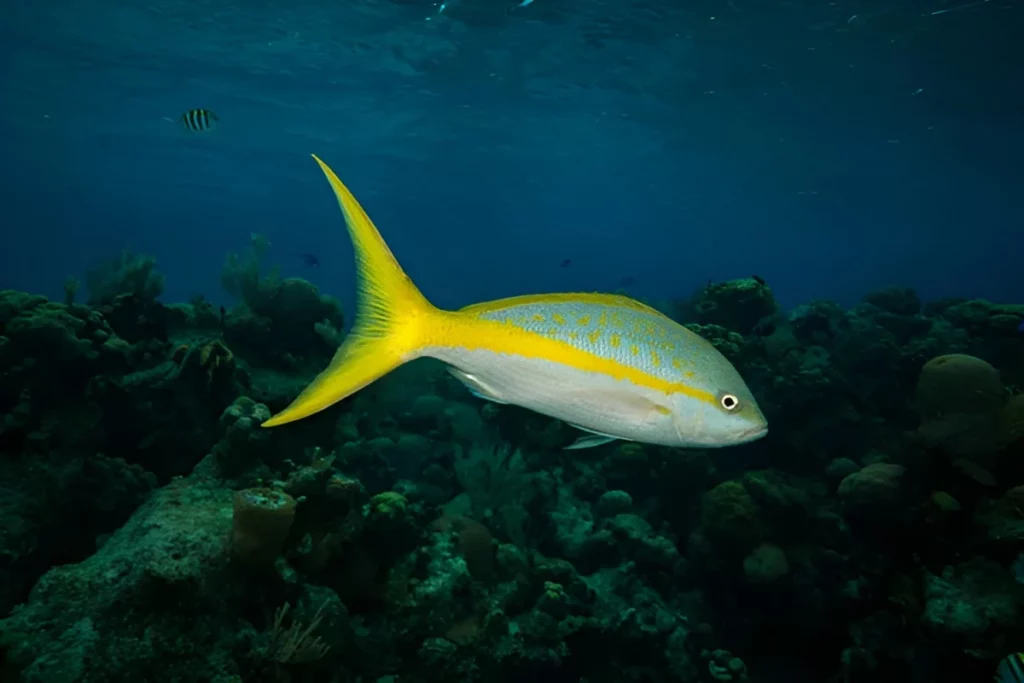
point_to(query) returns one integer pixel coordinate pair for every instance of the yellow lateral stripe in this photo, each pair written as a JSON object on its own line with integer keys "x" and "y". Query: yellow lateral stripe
{"x": 476, "y": 334}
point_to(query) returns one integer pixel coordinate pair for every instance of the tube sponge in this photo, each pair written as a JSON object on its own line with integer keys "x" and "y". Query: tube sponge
{"x": 260, "y": 525}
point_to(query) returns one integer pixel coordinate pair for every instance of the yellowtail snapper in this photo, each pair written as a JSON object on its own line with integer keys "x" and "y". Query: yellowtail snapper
{"x": 199, "y": 120}
{"x": 603, "y": 363}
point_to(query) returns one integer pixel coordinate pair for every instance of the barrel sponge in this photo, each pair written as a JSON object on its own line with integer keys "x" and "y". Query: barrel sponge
{"x": 957, "y": 383}
{"x": 477, "y": 547}
{"x": 260, "y": 525}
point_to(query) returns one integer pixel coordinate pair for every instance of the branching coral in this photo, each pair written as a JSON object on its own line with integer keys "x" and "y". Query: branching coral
{"x": 240, "y": 275}
{"x": 497, "y": 482}
{"x": 127, "y": 273}
{"x": 295, "y": 644}
{"x": 277, "y": 313}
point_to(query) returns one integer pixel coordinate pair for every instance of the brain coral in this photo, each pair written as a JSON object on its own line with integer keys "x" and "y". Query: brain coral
{"x": 957, "y": 383}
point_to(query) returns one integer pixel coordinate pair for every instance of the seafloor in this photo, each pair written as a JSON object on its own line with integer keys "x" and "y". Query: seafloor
{"x": 149, "y": 531}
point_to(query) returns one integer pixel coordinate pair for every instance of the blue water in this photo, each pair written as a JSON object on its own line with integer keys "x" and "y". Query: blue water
{"x": 830, "y": 148}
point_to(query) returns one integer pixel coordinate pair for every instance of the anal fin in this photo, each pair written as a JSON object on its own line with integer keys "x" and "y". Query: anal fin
{"x": 590, "y": 441}
{"x": 476, "y": 386}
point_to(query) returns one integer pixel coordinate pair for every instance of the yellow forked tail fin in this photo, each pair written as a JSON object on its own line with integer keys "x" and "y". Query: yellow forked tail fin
{"x": 391, "y": 316}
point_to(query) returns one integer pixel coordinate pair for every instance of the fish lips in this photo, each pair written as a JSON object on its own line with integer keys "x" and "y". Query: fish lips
{"x": 753, "y": 434}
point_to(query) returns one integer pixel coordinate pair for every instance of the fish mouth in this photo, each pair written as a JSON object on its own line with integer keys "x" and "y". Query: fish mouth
{"x": 753, "y": 434}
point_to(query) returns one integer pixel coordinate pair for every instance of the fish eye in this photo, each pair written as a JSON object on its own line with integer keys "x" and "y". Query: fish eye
{"x": 729, "y": 402}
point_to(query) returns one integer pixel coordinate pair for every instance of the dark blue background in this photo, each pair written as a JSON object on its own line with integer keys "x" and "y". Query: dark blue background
{"x": 831, "y": 148}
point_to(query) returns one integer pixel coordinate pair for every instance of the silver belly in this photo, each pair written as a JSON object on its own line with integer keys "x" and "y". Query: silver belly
{"x": 592, "y": 401}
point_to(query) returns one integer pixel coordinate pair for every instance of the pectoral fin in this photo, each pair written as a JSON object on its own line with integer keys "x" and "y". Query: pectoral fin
{"x": 637, "y": 408}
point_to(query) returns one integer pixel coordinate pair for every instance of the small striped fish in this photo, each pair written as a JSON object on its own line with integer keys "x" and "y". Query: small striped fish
{"x": 199, "y": 120}
{"x": 1011, "y": 669}
{"x": 603, "y": 363}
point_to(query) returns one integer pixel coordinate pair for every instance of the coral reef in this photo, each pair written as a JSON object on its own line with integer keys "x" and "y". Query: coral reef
{"x": 152, "y": 531}
{"x": 281, "y": 323}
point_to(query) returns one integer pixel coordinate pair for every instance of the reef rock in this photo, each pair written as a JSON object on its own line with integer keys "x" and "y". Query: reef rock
{"x": 154, "y": 592}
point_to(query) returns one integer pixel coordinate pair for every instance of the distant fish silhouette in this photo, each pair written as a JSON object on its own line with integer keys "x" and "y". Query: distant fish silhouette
{"x": 310, "y": 260}
{"x": 199, "y": 120}
{"x": 565, "y": 263}
{"x": 758, "y": 279}
{"x": 627, "y": 281}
